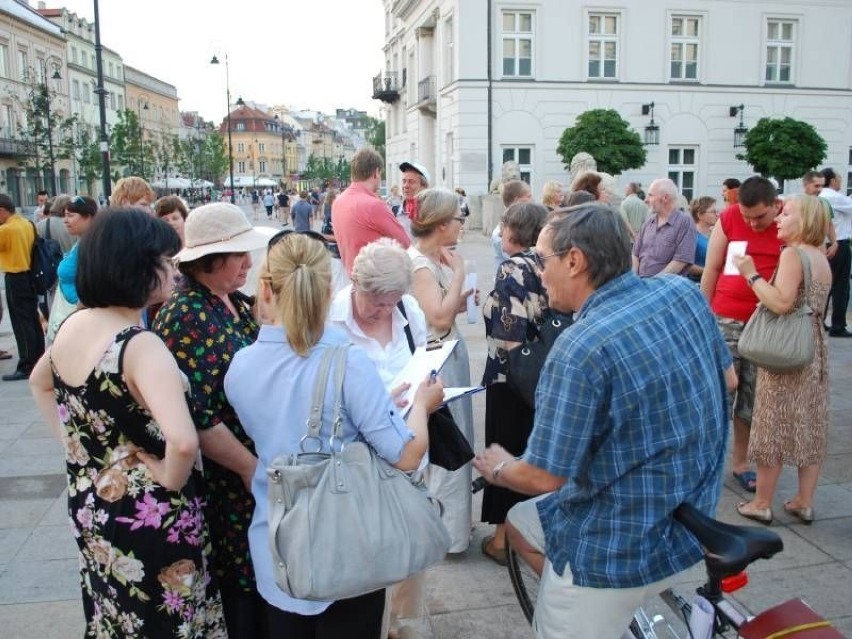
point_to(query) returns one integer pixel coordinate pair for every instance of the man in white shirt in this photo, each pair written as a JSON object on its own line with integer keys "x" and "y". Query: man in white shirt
{"x": 841, "y": 263}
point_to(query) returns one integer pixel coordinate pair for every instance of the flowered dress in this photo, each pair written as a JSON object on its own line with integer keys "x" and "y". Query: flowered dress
{"x": 204, "y": 336}
{"x": 143, "y": 548}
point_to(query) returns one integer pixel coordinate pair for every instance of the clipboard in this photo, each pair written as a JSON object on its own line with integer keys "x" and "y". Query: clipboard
{"x": 424, "y": 360}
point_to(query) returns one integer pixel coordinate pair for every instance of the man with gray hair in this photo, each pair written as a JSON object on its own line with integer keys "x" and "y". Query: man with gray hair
{"x": 630, "y": 423}
{"x": 666, "y": 241}
{"x": 633, "y": 208}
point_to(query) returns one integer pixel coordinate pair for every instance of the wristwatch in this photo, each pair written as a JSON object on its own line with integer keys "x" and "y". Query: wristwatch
{"x": 754, "y": 278}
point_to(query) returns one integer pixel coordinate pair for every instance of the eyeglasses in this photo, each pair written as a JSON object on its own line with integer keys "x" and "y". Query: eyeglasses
{"x": 460, "y": 220}
{"x": 540, "y": 259}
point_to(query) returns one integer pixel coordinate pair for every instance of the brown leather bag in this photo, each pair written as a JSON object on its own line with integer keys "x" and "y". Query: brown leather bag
{"x": 792, "y": 619}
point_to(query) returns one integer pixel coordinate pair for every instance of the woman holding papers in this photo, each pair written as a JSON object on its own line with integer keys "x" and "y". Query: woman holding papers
{"x": 513, "y": 308}
{"x": 438, "y": 284}
{"x": 368, "y": 310}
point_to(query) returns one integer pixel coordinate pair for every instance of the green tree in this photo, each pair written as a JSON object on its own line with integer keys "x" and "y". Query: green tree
{"x": 317, "y": 168}
{"x": 83, "y": 146}
{"x": 376, "y": 134}
{"x": 605, "y": 135}
{"x": 783, "y": 148}
{"x": 128, "y": 147}
{"x": 41, "y": 128}
{"x": 213, "y": 161}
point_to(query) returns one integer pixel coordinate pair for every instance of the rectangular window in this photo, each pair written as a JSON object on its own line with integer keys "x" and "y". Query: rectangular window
{"x": 8, "y": 121}
{"x": 523, "y": 156}
{"x": 240, "y": 126}
{"x": 603, "y": 45}
{"x": 241, "y": 167}
{"x": 684, "y": 47}
{"x": 780, "y": 39}
{"x": 4, "y": 61}
{"x": 241, "y": 147}
{"x": 110, "y": 70}
{"x": 86, "y": 95}
{"x": 121, "y": 103}
{"x": 23, "y": 64}
{"x": 682, "y": 166}
{"x": 112, "y": 100}
{"x": 517, "y": 44}
{"x": 75, "y": 89}
{"x": 263, "y": 166}
{"x": 261, "y": 147}
{"x": 449, "y": 51}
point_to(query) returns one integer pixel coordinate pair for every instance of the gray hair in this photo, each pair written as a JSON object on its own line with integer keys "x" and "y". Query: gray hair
{"x": 666, "y": 186}
{"x": 601, "y": 234}
{"x": 382, "y": 267}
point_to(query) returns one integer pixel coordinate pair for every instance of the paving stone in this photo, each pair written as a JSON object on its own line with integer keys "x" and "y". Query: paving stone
{"x": 45, "y": 620}
{"x": 32, "y": 446}
{"x": 493, "y": 622}
{"x": 57, "y": 514}
{"x": 14, "y": 466}
{"x": 832, "y": 536}
{"x": 22, "y": 512}
{"x": 32, "y": 487}
{"x": 48, "y": 542}
{"x": 11, "y": 541}
{"x": 10, "y": 431}
{"x": 40, "y": 580}
{"x": 39, "y": 429}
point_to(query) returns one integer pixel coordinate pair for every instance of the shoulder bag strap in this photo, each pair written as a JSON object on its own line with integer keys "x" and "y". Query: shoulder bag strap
{"x": 340, "y": 355}
{"x": 47, "y": 230}
{"x": 408, "y": 334}
{"x": 806, "y": 267}
{"x": 317, "y": 401}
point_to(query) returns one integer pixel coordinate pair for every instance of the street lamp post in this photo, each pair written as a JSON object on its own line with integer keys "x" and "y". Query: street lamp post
{"x": 215, "y": 60}
{"x": 141, "y": 134}
{"x": 45, "y": 89}
{"x": 283, "y": 128}
{"x": 107, "y": 184}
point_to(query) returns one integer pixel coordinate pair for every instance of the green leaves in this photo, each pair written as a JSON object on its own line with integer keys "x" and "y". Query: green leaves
{"x": 783, "y": 148}
{"x": 607, "y": 136}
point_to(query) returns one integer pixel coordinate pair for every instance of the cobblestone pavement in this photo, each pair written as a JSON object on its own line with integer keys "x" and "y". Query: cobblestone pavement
{"x": 468, "y": 595}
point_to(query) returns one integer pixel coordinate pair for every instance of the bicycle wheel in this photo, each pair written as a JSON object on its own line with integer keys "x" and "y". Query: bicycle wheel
{"x": 524, "y": 581}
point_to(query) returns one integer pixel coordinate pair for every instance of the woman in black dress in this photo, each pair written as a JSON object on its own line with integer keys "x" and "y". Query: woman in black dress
{"x": 513, "y": 311}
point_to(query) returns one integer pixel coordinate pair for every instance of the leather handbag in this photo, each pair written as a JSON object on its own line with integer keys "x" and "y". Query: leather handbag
{"x": 525, "y": 361}
{"x": 448, "y": 447}
{"x": 781, "y": 343}
{"x": 346, "y": 523}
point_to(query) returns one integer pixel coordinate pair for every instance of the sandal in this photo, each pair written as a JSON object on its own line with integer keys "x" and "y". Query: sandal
{"x": 497, "y": 555}
{"x": 5, "y": 355}
{"x": 763, "y": 515}
{"x": 747, "y": 480}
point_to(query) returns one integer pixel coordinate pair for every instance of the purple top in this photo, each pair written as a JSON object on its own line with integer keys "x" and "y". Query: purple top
{"x": 656, "y": 246}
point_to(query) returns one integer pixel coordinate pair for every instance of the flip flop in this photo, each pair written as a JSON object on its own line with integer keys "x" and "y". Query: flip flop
{"x": 497, "y": 555}
{"x": 747, "y": 480}
{"x": 5, "y": 355}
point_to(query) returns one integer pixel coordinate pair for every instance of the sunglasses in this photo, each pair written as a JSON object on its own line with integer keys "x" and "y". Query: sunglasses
{"x": 540, "y": 259}
{"x": 319, "y": 237}
{"x": 460, "y": 220}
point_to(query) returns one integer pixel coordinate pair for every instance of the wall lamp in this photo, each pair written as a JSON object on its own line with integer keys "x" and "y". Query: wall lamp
{"x": 740, "y": 130}
{"x": 652, "y": 131}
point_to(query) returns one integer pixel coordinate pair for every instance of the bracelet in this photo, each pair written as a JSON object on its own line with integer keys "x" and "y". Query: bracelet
{"x": 495, "y": 472}
{"x": 754, "y": 279}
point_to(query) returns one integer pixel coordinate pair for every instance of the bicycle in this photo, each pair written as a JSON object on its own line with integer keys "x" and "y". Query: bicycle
{"x": 728, "y": 550}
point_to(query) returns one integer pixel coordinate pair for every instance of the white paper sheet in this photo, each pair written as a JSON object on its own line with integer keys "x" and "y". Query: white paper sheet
{"x": 472, "y": 310}
{"x": 736, "y": 248}
{"x": 455, "y": 392}
{"x": 422, "y": 363}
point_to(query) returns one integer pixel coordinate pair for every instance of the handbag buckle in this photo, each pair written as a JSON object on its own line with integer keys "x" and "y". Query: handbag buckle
{"x": 303, "y": 444}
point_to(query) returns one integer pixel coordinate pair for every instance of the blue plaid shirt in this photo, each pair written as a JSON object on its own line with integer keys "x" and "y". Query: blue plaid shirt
{"x": 631, "y": 410}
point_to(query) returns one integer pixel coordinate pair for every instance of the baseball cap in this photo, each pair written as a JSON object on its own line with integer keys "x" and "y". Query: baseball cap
{"x": 416, "y": 166}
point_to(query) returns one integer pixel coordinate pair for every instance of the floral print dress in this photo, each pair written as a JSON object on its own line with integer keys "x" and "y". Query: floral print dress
{"x": 143, "y": 548}
{"x": 204, "y": 336}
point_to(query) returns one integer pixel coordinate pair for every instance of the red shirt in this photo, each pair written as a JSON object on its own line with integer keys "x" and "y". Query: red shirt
{"x": 733, "y": 297}
{"x": 359, "y": 216}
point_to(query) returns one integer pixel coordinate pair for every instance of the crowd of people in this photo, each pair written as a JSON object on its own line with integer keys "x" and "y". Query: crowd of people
{"x": 173, "y": 390}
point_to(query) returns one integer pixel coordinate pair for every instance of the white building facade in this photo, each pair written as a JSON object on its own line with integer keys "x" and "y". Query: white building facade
{"x": 468, "y": 85}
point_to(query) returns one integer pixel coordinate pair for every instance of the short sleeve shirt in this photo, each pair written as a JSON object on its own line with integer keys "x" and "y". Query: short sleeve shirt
{"x": 631, "y": 411}
{"x": 658, "y": 244}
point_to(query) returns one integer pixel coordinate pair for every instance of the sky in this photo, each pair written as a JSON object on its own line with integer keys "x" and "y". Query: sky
{"x": 309, "y": 54}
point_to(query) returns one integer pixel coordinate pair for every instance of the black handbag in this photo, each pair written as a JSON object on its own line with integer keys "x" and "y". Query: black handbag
{"x": 448, "y": 447}
{"x": 525, "y": 361}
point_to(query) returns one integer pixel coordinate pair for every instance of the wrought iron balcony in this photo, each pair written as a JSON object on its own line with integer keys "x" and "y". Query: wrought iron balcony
{"x": 386, "y": 87}
{"x": 11, "y": 148}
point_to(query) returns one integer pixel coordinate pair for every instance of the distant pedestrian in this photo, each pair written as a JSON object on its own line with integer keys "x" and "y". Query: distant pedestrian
{"x": 268, "y": 203}
{"x": 303, "y": 213}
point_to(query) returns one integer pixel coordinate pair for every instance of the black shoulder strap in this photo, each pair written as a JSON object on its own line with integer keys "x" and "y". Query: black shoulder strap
{"x": 47, "y": 226}
{"x": 408, "y": 334}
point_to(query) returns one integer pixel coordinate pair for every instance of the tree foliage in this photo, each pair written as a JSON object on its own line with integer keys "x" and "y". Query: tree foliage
{"x": 41, "y": 126}
{"x": 326, "y": 170}
{"x": 376, "y": 134}
{"x": 783, "y": 148}
{"x": 605, "y": 135}
{"x": 128, "y": 147}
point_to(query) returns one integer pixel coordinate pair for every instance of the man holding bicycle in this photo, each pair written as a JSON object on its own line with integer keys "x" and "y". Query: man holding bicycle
{"x": 631, "y": 421}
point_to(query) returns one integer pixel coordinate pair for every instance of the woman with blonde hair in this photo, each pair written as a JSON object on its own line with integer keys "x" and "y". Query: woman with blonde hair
{"x": 295, "y": 291}
{"x": 132, "y": 191}
{"x": 552, "y": 194}
{"x": 438, "y": 286}
{"x": 790, "y": 420}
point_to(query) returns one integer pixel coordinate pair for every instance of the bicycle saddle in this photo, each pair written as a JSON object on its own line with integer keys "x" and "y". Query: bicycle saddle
{"x": 728, "y": 549}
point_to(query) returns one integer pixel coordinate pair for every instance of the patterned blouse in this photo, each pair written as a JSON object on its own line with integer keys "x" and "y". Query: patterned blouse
{"x": 512, "y": 312}
{"x": 203, "y": 335}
